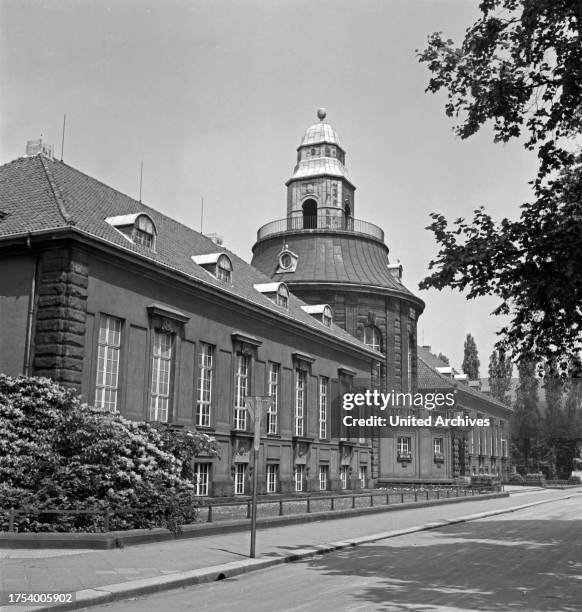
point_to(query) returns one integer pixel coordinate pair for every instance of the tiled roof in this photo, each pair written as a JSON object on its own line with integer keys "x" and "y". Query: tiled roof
{"x": 318, "y": 133}
{"x": 317, "y": 166}
{"x": 429, "y": 378}
{"x": 38, "y": 194}
{"x": 348, "y": 259}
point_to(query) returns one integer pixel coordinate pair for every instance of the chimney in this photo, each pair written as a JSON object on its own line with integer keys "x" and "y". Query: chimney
{"x": 426, "y": 347}
{"x": 396, "y": 271}
{"x": 462, "y": 378}
{"x": 38, "y": 147}
{"x": 216, "y": 238}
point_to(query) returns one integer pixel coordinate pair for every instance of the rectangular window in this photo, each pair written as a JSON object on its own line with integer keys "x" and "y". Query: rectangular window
{"x": 273, "y": 414}
{"x": 241, "y": 390}
{"x": 437, "y": 446}
{"x": 161, "y": 373}
{"x": 272, "y": 477}
{"x": 503, "y": 447}
{"x": 404, "y": 446}
{"x": 472, "y": 442}
{"x": 299, "y": 472}
{"x": 323, "y": 476}
{"x": 364, "y": 476}
{"x": 323, "y": 387}
{"x": 202, "y": 476}
{"x": 300, "y": 395}
{"x": 205, "y": 375}
{"x": 108, "y": 350}
{"x": 240, "y": 477}
{"x": 344, "y": 471}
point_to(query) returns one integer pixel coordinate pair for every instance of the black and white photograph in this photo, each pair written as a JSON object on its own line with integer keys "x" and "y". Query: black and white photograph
{"x": 291, "y": 305}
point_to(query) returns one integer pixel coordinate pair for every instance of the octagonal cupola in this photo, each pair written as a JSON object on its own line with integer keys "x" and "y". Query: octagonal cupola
{"x": 320, "y": 190}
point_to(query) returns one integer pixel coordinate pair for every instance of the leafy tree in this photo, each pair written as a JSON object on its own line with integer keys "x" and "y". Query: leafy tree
{"x": 444, "y": 358}
{"x": 471, "y": 361}
{"x": 56, "y": 453}
{"x": 500, "y": 373}
{"x": 525, "y": 430}
{"x": 520, "y": 68}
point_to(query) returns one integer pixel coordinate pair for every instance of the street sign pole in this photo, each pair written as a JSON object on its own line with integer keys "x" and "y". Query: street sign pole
{"x": 254, "y": 504}
{"x": 255, "y": 407}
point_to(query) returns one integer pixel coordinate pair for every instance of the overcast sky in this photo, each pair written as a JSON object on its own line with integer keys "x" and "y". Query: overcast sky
{"x": 215, "y": 96}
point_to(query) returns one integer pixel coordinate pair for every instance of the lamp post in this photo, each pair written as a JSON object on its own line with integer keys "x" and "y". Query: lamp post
{"x": 256, "y": 406}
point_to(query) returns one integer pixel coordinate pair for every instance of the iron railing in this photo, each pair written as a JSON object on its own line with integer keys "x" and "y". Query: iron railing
{"x": 321, "y": 223}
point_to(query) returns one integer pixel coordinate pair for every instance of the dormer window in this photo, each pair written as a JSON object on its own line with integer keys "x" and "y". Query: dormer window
{"x": 137, "y": 228}
{"x": 282, "y": 296}
{"x": 143, "y": 232}
{"x": 322, "y": 312}
{"x": 287, "y": 261}
{"x": 276, "y": 292}
{"x": 224, "y": 269}
{"x": 217, "y": 264}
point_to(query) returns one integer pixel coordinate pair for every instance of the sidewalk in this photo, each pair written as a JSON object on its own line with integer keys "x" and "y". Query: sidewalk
{"x": 77, "y": 570}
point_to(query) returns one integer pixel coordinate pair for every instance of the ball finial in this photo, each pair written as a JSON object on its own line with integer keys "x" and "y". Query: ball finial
{"x": 321, "y": 113}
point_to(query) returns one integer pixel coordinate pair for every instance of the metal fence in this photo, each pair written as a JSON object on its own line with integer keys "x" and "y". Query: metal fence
{"x": 321, "y": 223}
{"x": 212, "y": 511}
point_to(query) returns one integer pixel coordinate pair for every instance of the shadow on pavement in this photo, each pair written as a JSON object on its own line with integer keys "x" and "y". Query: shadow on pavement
{"x": 496, "y": 565}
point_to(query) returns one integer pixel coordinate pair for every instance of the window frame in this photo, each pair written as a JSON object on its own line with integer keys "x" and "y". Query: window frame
{"x": 282, "y": 296}
{"x": 154, "y": 397}
{"x": 274, "y": 387}
{"x": 404, "y": 445}
{"x": 272, "y": 477}
{"x": 204, "y": 384}
{"x": 241, "y": 419}
{"x": 300, "y": 404}
{"x": 202, "y": 487}
{"x": 375, "y": 343}
{"x": 323, "y": 471}
{"x": 344, "y": 476}
{"x": 299, "y": 477}
{"x": 108, "y": 347}
{"x": 323, "y": 407}
{"x": 223, "y": 273}
{"x": 240, "y": 478}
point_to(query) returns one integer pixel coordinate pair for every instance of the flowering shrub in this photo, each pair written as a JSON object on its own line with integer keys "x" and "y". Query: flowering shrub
{"x": 57, "y": 453}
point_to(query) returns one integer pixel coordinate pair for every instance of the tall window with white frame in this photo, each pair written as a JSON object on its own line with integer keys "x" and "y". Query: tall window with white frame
{"x": 108, "y": 352}
{"x": 273, "y": 411}
{"x": 299, "y": 476}
{"x": 242, "y": 388}
{"x": 202, "y": 479}
{"x": 344, "y": 474}
{"x": 364, "y": 476}
{"x": 240, "y": 477}
{"x": 300, "y": 400}
{"x": 272, "y": 477}
{"x": 323, "y": 399}
{"x": 437, "y": 446}
{"x": 162, "y": 349}
{"x": 404, "y": 446}
{"x": 323, "y": 477}
{"x": 205, "y": 376}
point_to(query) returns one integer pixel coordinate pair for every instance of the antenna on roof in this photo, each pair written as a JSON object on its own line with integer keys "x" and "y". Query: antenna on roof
{"x": 140, "y": 179}
{"x": 63, "y": 137}
{"x": 202, "y": 214}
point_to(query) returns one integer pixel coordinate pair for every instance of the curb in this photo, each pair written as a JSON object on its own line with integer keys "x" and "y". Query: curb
{"x": 146, "y": 586}
{"x": 120, "y": 539}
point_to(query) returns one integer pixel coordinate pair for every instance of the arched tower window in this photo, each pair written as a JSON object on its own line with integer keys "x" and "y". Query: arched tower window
{"x": 309, "y": 214}
{"x": 373, "y": 338}
{"x": 347, "y": 214}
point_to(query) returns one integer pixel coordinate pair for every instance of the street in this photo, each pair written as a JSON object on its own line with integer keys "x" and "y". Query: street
{"x": 526, "y": 560}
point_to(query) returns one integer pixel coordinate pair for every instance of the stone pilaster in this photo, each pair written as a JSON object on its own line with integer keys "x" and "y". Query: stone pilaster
{"x": 61, "y": 315}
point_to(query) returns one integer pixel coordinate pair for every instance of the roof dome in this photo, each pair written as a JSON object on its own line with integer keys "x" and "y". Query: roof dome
{"x": 320, "y": 132}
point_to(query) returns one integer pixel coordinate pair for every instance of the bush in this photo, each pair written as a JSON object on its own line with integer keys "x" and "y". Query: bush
{"x": 57, "y": 453}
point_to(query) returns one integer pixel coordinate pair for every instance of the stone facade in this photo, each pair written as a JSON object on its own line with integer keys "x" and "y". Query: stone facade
{"x": 61, "y": 314}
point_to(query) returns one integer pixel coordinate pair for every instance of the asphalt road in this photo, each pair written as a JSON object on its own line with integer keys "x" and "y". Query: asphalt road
{"x": 527, "y": 560}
